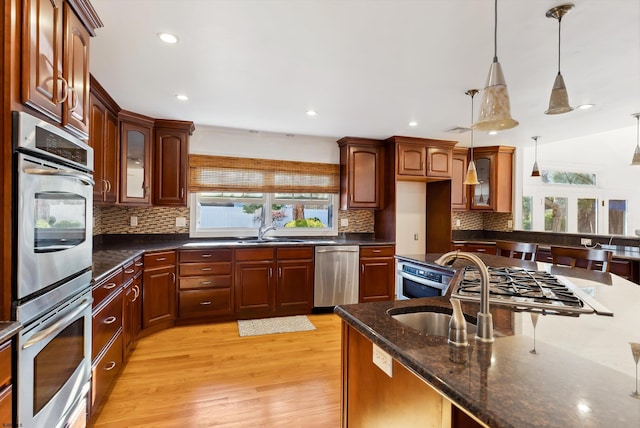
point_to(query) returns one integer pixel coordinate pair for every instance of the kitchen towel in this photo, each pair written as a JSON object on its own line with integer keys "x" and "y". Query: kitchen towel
{"x": 274, "y": 325}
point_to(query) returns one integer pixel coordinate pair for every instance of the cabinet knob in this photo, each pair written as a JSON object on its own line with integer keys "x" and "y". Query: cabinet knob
{"x": 110, "y": 320}
{"x": 110, "y": 366}
{"x": 109, "y": 286}
{"x": 129, "y": 271}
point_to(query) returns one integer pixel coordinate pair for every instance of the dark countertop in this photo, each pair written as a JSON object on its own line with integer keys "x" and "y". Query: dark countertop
{"x": 581, "y": 376}
{"x": 120, "y": 249}
{"x": 8, "y": 329}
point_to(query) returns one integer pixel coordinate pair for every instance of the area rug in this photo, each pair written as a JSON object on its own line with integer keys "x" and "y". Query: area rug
{"x": 274, "y": 325}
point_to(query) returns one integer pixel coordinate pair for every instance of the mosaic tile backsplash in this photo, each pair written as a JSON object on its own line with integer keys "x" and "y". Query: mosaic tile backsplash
{"x": 471, "y": 220}
{"x": 156, "y": 220}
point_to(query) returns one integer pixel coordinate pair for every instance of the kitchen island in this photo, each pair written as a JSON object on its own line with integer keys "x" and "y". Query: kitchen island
{"x": 580, "y": 376}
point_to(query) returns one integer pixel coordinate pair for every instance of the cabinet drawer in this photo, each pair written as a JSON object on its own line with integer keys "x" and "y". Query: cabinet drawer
{"x": 206, "y": 255}
{"x": 254, "y": 254}
{"x": 5, "y": 364}
{"x": 159, "y": 259}
{"x": 199, "y": 303}
{"x": 128, "y": 271}
{"x": 105, "y": 371}
{"x": 6, "y": 410}
{"x": 292, "y": 253}
{"x": 373, "y": 251}
{"x": 480, "y": 248}
{"x": 105, "y": 323}
{"x": 193, "y": 282}
{"x": 107, "y": 286}
{"x": 199, "y": 269}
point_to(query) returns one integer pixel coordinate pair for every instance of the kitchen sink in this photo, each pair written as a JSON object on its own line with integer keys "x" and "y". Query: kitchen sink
{"x": 432, "y": 320}
{"x": 267, "y": 240}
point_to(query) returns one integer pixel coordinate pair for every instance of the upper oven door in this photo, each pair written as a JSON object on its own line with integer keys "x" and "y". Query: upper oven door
{"x": 54, "y": 224}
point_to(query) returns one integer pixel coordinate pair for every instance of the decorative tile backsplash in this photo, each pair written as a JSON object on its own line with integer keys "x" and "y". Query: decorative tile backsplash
{"x": 471, "y": 220}
{"x": 156, "y": 220}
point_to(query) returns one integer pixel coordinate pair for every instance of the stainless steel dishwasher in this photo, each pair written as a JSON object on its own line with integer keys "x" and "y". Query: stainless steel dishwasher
{"x": 336, "y": 275}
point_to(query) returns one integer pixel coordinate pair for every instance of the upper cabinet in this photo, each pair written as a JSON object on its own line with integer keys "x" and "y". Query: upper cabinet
{"x": 171, "y": 162}
{"x": 459, "y": 191}
{"x": 135, "y": 158}
{"x": 361, "y": 173}
{"x": 55, "y": 61}
{"x": 494, "y": 166}
{"x": 422, "y": 159}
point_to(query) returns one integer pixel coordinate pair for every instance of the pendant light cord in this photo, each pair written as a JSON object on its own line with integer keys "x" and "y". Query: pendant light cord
{"x": 559, "y": 35}
{"x": 637, "y": 129}
{"x": 495, "y": 32}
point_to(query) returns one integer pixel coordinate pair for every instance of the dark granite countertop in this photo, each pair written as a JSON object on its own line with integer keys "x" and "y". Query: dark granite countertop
{"x": 581, "y": 376}
{"x": 117, "y": 250}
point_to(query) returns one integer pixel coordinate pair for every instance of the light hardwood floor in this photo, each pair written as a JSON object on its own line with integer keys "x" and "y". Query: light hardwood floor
{"x": 208, "y": 376}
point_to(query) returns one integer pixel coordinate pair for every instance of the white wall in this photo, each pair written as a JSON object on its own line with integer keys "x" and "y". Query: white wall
{"x": 608, "y": 155}
{"x": 411, "y": 217}
{"x": 265, "y": 145}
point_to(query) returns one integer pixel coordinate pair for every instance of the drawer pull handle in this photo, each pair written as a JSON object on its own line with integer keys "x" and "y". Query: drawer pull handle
{"x": 206, "y": 269}
{"x": 138, "y": 264}
{"x": 205, "y": 282}
{"x": 377, "y": 251}
{"x": 129, "y": 271}
{"x": 161, "y": 259}
{"x": 206, "y": 303}
{"x": 109, "y": 286}
{"x": 110, "y": 366}
{"x": 110, "y": 320}
{"x": 205, "y": 256}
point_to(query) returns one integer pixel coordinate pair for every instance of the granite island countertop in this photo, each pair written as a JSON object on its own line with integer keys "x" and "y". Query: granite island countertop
{"x": 581, "y": 376}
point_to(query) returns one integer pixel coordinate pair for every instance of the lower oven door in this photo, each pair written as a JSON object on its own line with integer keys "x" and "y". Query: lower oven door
{"x": 54, "y": 364}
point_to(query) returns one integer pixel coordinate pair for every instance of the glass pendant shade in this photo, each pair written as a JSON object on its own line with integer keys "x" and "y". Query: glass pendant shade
{"x": 636, "y": 157}
{"x": 472, "y": 174}
{"x": 636, "y": 154}
{"x": 559, "y": 100}
{"x": 536, "y": 171}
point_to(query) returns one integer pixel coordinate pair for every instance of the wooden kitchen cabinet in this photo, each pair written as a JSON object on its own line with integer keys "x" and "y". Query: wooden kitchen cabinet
{"x": 412, "y": 160}
{"x": 361, "y": 173}
{"x": 377, "y": 273}
{"x": 422, "y": 159}
{"x": 132, "y": 304}
{"x": 495, "y": 173}
{"x": 6, "y": 384}
{"x": 55, "y": 60}
{"x": 205, "y": 284}
{"x": 481, "y": 248}
{"x": 159, "y": 291}
{"x": 103, "y": 137}
{"x": 459, "y": 190}
{"x": 135, "y": 158}
{"x": 171, "y": 162}
{"x": 294, "y": 288}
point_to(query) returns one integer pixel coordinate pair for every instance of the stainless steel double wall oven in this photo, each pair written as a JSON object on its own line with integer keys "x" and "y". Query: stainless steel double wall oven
{"x": 53, "y": 215}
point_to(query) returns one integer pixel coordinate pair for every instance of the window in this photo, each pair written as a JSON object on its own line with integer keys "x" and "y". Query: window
{"x": 527, "y": 223}
{"x": 237, "y": 214}
{"x": 571, "y": 178}
{"x": 555, "y": 214}
{"x": 587, "y": 218}
{"x": 617, "y": 217}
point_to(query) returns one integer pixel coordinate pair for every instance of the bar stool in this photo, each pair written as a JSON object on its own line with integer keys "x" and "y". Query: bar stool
{"x": 517, "y": 250}
{"x": 582, "y": 257}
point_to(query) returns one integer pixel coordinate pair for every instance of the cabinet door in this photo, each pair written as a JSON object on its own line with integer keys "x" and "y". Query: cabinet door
{"x": 377, "y": 279}
{"x": 43, "y": 86}
{"x": 438, "y": 162}
{"x": 75, "y": 113}
{"x": 97, "y": 114}
{"x": 254, "y": 287}
{"x": 364, "y": 169}
{"x": 411, "y": 160}
{"x": 110, "y": 158}
{"x": 132, "y": 313}
{"x": 170, "y": 171}
{"x": 135, "y": 163}
{"x": 158, "y": 296}
{"x": 459, "y": 190}
{"x": 294, "y": 291}
{"x": 482, "y": 192}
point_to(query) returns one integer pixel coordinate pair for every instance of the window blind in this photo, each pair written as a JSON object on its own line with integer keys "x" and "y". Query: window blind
{"x": 224, "y": 173}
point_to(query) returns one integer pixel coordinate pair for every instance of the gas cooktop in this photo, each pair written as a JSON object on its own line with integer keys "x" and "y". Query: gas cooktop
{"x": 527, "y": 290}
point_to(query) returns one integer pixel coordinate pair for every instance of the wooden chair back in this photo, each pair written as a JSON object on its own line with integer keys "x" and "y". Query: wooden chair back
{"x": 582, "y": 257}
{"x": 516, "y": 250}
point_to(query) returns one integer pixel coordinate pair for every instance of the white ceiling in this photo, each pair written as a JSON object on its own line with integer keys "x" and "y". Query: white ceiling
{"x": 368, "y": 67}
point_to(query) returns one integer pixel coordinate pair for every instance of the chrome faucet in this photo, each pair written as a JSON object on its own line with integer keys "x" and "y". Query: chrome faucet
{"x": 485, "y": 321}
{"x": 263, "y": 229}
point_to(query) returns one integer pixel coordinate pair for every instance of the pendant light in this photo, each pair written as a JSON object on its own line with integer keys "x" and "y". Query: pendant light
{"x": 559, "y": 100}
{"x": 636, "y": 154}
{"x": 495, "y": 108}
{"x": 472, "y": 175}
{"x": 536, "y": 171}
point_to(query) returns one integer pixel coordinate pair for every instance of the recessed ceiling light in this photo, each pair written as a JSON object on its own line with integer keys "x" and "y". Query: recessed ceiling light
{"x": 168, "y": 38}
{"x": 182, "y": 97}
{"x": 413, "y": 123}
{"x": 586, "y": 106}
{"x": 311, "y": 113}
{"x": 492, "y": 132}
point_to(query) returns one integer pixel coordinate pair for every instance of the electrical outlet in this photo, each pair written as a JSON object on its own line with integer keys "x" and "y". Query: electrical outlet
{"x": 416, "y": 237}
{"x": 181, "y": 222}
{"x": 382, "y": 360}
{"x": 585, "y": 241}
{"x": 458, "y": 222}
{"x": 133, "y": 221}
{"x": 344, "y": 222}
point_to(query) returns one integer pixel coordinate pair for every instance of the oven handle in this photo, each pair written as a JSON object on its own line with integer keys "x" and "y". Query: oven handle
{"x": 422, "y": 281}
{"x": 84, "y": 178}
{"x": 53, "y": 328}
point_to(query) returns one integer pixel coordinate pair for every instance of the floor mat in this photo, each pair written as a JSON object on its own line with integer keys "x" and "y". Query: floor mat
{"x": 274, "y": 325}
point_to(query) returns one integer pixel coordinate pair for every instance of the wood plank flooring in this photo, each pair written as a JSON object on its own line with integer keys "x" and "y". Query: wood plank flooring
{"x": 208, "y": 376}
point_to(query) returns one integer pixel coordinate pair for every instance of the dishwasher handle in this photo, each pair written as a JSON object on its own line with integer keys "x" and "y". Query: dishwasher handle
{"x": 337, "y": 250}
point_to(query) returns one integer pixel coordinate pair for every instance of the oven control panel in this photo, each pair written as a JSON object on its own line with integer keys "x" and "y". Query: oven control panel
{"x": 427, "y": 274}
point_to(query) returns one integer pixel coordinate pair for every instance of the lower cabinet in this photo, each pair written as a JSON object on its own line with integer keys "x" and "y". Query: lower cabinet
{"x": 132, "y": 313}
{"x": 377, "y": 273}
{"x": 273, "y": 281}
{"x": 6, "y": 387}
{"x": 159, "y": 291}
{"x": 104, "y": 371}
